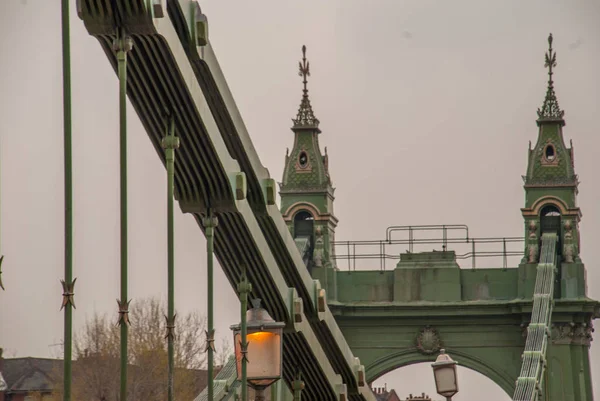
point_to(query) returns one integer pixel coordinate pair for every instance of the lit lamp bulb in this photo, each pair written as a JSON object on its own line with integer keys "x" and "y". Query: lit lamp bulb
{"x": 263, "y": 366}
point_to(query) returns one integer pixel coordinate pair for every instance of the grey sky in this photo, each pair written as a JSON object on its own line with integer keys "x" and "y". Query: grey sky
{"x": 426, "y": 108}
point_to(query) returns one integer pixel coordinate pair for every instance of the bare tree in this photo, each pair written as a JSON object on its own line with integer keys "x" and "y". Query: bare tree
{"x": 96, "y": 371}
{"x": 224, "y": 351}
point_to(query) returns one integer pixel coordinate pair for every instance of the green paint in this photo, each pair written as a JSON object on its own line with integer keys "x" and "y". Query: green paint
{"x": 244, "y": 288}
{"x": 479, "y": 316}
{"x": 122, "y": 45}
{"x": 297, "y": 387}
{"x": 306, "y": 185}
{"x": 68, "y": 281}
{"x": 210, "y": 222}
{"x": 170, "y": 143}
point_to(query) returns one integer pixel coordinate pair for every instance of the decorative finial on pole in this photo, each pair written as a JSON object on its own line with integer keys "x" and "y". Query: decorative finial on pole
{"x": 305, "y": 117}
{"x": 550, "y": 60}
{"x": 304, "y": 69}
{"x": 550, "y": 109}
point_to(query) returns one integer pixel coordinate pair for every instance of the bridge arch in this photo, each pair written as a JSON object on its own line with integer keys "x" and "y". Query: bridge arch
{"x": 404, "y": 358}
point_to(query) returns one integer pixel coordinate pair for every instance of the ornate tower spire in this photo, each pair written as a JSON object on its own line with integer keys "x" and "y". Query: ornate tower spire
{"x": 307, "y": 192}
{"x": 550, "y": 109}
{"x": 551, "y": 185}
{"x": 305, "y": 117}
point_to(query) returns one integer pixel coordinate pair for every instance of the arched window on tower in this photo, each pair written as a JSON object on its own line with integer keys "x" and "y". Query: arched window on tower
{"x": 550, "y": 220}
{"x": 304, "y": 235}
{"x": 303, "y": 224}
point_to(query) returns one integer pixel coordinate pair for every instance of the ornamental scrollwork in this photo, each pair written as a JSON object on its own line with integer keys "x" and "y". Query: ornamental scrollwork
{"x": 572, "y": 333}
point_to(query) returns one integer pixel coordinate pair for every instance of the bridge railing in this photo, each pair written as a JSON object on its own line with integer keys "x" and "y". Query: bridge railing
{"x": 450, "y": 237}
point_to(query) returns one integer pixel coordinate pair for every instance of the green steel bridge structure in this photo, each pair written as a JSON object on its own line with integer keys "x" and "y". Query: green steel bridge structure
{"x": 354, "y": 310}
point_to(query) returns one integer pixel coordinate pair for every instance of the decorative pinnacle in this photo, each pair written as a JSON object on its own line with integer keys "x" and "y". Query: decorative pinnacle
{"x": 305, "y": 116}
{"x": 550, "y": 109}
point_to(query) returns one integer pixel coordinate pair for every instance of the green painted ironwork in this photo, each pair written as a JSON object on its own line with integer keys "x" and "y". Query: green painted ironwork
{"x": 122, "y": 45}
{"x": 401, "y": 330}
{"x": 550, "y": 109}
{"x": 422, "y": 237}
{"x": 530, "y": 381}
{"x": 210, "y": 222}
{"x": 68, "y": 283}
{"x": 395, "y": 317}
{"x": 244, "y": 288}
{"x": 170, "y": 143}
{"x": 297, "y": 387}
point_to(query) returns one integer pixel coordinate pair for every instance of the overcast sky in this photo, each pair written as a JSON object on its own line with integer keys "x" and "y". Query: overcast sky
{"x": 426, "y": 108}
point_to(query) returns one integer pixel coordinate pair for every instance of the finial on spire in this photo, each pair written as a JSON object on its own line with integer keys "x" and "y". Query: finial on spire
{"x": 305, "y": 117}
{"x": 550, "y": 109}
{"x": 304, "y": 70}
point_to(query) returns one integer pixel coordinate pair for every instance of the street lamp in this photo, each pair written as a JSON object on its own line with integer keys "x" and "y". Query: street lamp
{"x": 262, "y": 356}
{"x": 444, "y": 372}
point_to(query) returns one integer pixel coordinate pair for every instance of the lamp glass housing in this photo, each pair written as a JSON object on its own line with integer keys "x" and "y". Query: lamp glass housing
{"x": 264, "y": 338}
{"x": 264, "y": 356}
{"x": 445, "y": 375}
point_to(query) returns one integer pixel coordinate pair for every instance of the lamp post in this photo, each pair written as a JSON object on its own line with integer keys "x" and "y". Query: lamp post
{"x": 262, "y": 355}
{"x": 444, "y": 372}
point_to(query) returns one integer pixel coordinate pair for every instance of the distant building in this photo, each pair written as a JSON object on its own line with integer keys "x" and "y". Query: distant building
{"x": 35, "y": 379}
{"x": 382, "y": 394}
{"x": 28, "y": 379}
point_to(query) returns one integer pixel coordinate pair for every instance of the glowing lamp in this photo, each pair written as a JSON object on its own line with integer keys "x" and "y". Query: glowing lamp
{"x": 263, "y": 366}
{"x": 444, "y": 372}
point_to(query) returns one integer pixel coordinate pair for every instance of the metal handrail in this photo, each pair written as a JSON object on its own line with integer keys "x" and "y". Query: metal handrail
{"x": 411, "y": 241}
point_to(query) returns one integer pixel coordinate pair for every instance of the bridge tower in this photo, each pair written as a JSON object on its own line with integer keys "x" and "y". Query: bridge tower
{"x": 551, "y": 188}
{"x": 306, "y": 190}
{"x": 551, "y": 185}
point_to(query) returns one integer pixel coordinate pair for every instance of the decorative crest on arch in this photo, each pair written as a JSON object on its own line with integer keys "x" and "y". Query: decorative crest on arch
{"x": 428, "y": 340}
{"x": 550, "y": 109}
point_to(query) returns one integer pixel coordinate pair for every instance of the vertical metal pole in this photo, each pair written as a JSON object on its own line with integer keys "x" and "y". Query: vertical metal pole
{"x": 210, "y": 222}
{"x": 504, "y": 253}
{"x": 348, "y": 244}
{"x": 122, "y": 45}
{"x": 244, "y": 288}
{"x": 170, "y": 143}
{"x": 445, "y": 235}
{"x": 68, "y": 283}
{"x": 473, "y": 260}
